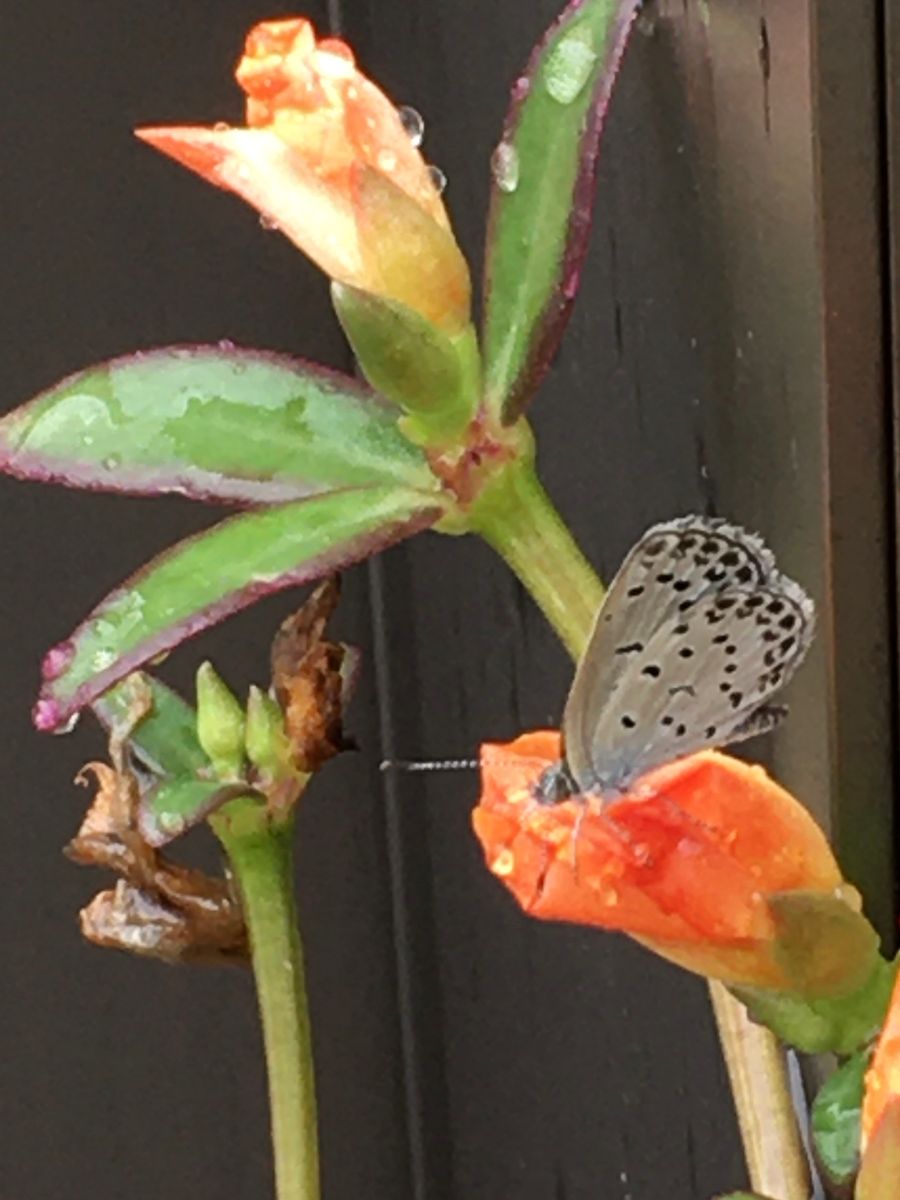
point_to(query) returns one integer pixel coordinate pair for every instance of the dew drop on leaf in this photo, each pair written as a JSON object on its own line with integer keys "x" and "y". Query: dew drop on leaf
{"x": 505, "y": 167}
{"x": 569, "y": 67}
{"x": 68, "y": 726}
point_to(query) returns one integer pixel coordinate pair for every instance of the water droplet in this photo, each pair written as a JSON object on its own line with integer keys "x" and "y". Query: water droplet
{"x": 171, "y": 823}
{"x": 438, "y": 179}
{"x": 101, "y": 659}
{"x": 67, "y": 726}
{"x": 569, "y": 67}
{"x": 521, "y": 88}
{"x": 221, "y": 127}
{"x": 504, "y": 863}
{"x": 267, "y": 223}
{"x": 413, "y": 124}
{"x": 386, "y": 160}
{"x": 505, "y": 167}
{"x": 225, "y": 344}
{"x": 646, "y": 22}
{"x": 111, "y": 462}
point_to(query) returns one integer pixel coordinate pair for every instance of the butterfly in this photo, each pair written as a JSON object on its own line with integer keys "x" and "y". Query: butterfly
{"x": 697, "y": 633}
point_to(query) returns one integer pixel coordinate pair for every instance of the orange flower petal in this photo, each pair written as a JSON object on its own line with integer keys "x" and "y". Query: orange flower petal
{"x": 883, "y": 1077}
{"x": 675, "y": 863}
{"x": 879, "y": 1177}
{"x": 263, "y": 170}
{"x": 326, "y": 159}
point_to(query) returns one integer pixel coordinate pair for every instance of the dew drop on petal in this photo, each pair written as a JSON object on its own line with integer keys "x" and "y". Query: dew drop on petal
{"x": 267, "y": 223}
{"x": 221, "y": 127}
{"x": 225, "y": 344}
{"x": 386, "y": 160}
{"x": 505, "y": 167}
{"x": 569, "y": 68}
{"x": 111, "y": 462}
{"x": 438, "y": 179}
{"x": 504, "y": 863}
{"x": 413, "y": 124}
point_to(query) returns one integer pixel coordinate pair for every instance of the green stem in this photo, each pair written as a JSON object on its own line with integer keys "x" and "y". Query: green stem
{"x": 261, "y": 855}
{"x": 517, "y": 519}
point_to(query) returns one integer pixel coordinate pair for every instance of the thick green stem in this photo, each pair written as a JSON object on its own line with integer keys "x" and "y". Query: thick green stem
{"x": 515, "y": 516}
{"x": 261, "y": 855}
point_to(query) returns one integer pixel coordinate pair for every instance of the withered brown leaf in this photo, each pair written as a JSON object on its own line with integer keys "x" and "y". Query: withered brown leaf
{"x": 158, "y": 908}
{"x": 308, "y": 679}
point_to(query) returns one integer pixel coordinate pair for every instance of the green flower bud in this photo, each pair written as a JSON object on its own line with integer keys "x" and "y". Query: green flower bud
{"x": 266, "y": 741}
{"x": 220, "y": 723}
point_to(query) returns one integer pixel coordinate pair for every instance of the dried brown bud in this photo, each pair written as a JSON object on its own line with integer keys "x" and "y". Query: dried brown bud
{"x": 308, "y": 681}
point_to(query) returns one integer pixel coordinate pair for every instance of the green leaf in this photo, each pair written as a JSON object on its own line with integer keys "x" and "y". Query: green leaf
{"x": 208, "y": 577}
{"x": 542, "y": 199}
{"x": 176, "y": 805}
{"x": 428, "y": 372}
{"x": 836, "y": 1120}
{"x": 840, "y": 1024}
{"x": 210, "y": 423}
{"x": 825, "y": 947}
{"x": 165, "y": 740}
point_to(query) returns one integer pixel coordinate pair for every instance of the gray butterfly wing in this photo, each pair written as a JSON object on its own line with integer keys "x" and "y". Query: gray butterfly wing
{"x": 672, "y": 572}
{"x": 704, "y": 679}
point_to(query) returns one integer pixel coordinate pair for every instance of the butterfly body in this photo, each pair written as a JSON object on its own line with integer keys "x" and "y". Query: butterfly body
{"x": 698, "y": 631}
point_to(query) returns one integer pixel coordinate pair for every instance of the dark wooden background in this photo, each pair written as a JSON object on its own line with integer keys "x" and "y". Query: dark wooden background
{"x": 730, "y": 353}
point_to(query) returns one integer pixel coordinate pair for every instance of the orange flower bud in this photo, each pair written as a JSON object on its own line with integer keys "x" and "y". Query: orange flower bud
{"x": 684, "y": 863}
{"x": 325, "y": 158}
{"x": 883, "y": 1077}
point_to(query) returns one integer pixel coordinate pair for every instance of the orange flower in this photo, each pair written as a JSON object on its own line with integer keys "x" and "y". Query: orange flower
{"x": 325, "y": 158}
{"x": 685, "y": 864}
{"x": 883, "y": 1077}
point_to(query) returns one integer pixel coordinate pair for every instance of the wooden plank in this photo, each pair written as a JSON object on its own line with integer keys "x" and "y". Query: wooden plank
{"x": 709, "y": 366}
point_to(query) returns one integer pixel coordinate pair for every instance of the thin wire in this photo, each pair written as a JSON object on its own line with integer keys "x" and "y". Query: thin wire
{"x": 444, "y": 764}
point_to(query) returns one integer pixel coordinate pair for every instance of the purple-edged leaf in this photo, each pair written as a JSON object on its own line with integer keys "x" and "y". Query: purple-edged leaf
{"x": 213, "y": 423}
{"x": 542, "y": 198}
{"x": 207, "y": 577}
{"x": 177, "y": 805}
